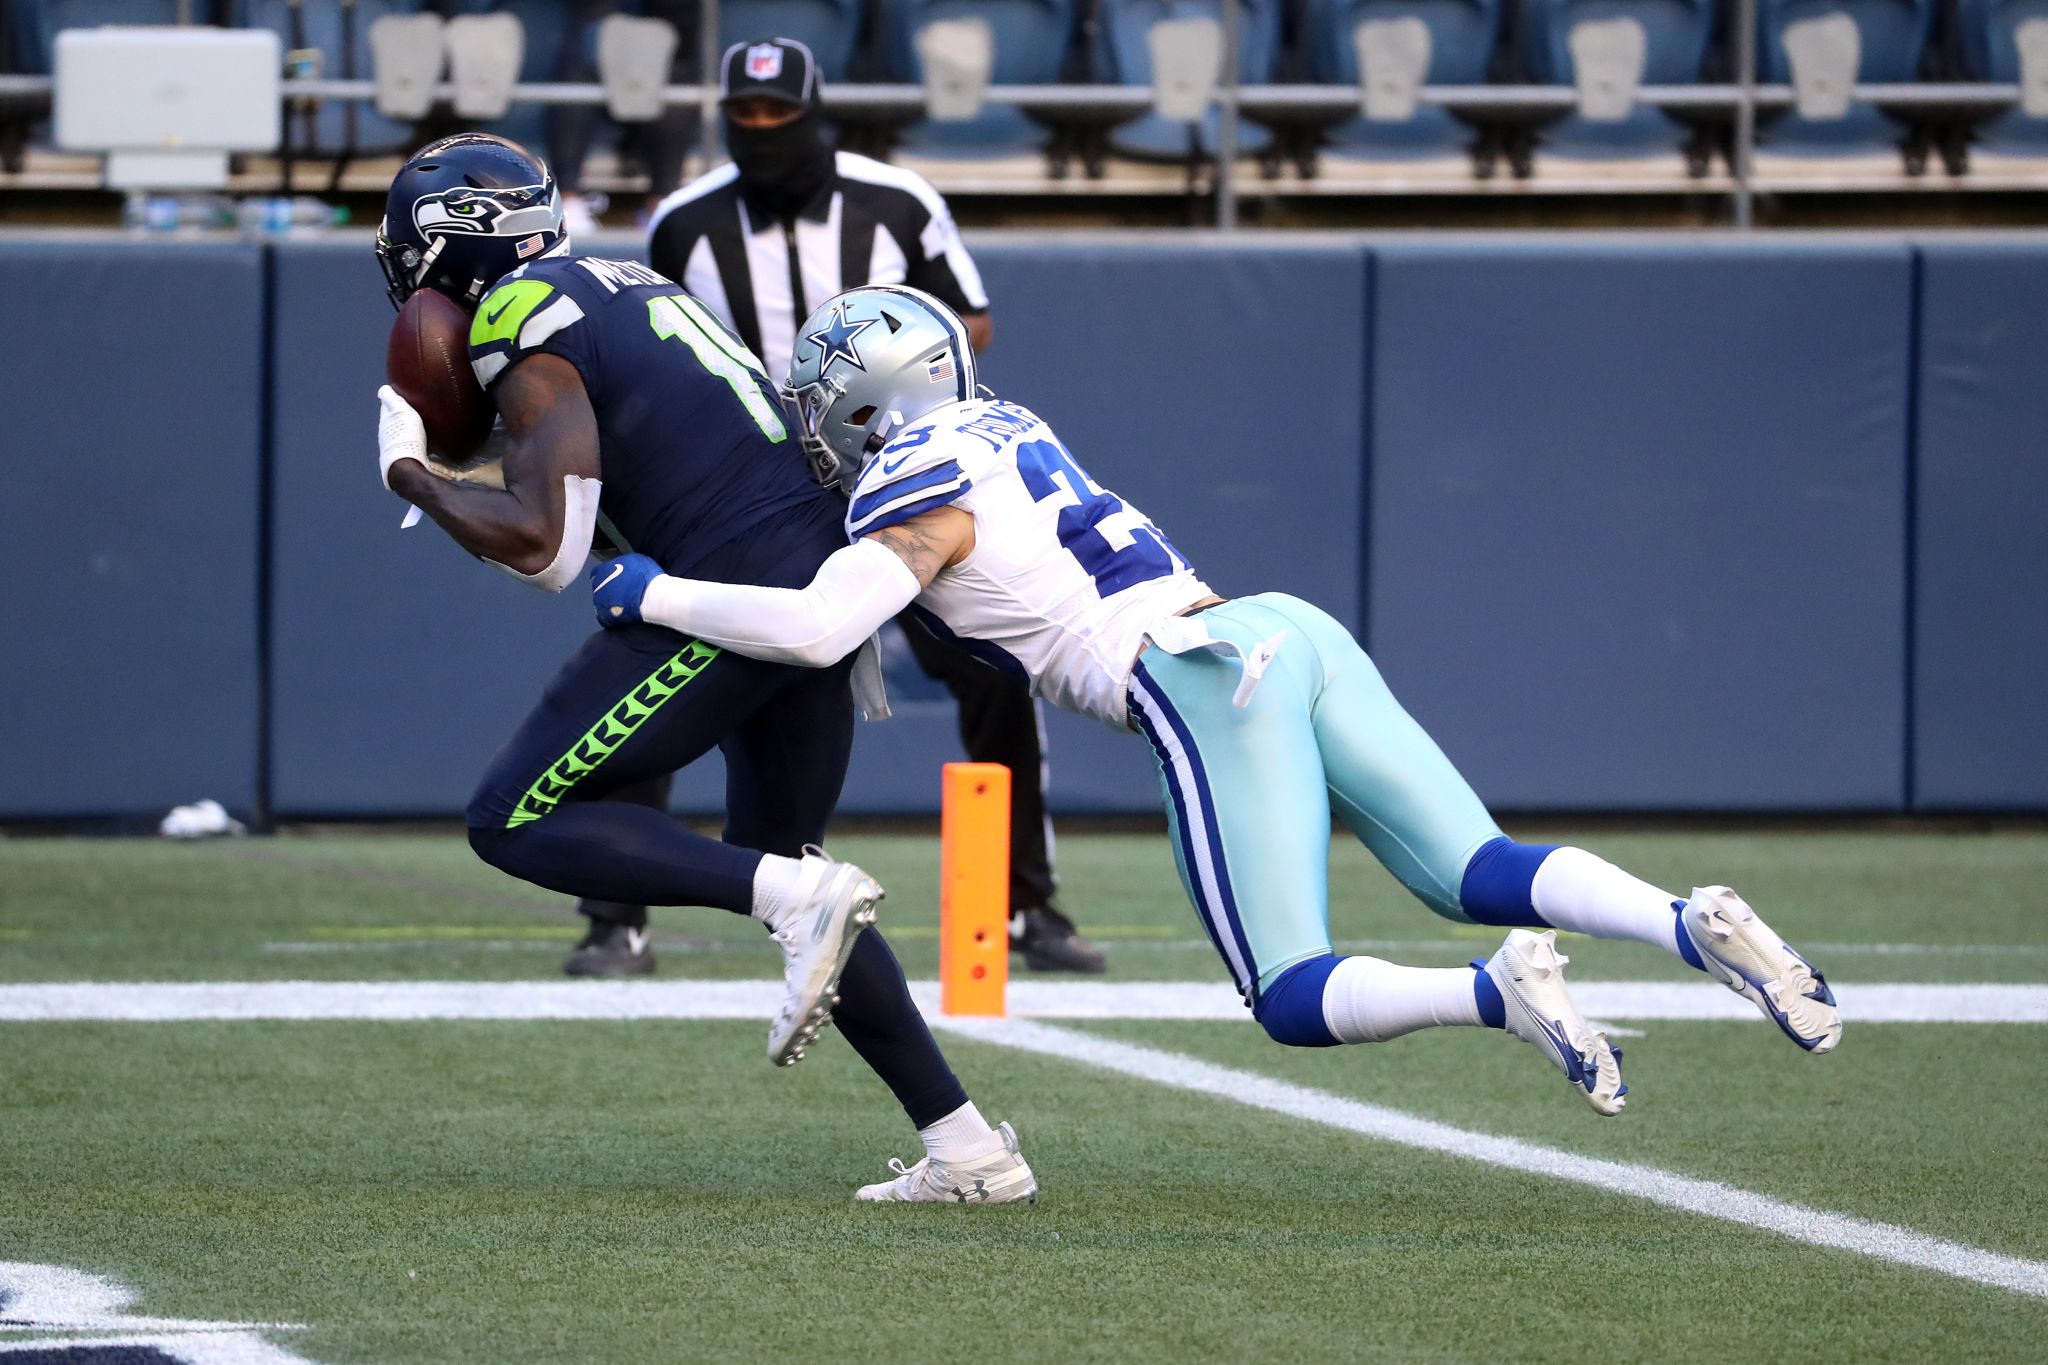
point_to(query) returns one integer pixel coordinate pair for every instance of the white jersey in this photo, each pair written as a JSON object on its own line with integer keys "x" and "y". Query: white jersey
{"x": 1065, "y": 578}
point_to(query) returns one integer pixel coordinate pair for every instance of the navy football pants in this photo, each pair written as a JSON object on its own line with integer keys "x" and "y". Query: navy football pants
{"x": 556, "y": 807}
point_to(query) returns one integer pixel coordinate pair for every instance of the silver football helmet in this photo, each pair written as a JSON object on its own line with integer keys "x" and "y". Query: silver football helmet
{"x": 867, "y": 364}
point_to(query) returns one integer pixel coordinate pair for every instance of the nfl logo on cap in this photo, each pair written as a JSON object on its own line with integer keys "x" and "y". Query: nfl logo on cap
{"x": 764, "y": 62}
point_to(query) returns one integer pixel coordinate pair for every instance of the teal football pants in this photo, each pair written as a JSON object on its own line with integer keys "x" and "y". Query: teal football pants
{"x": 1249, "y": 790}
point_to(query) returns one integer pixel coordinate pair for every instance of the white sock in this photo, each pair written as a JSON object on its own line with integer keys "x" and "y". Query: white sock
{"x": 1368, "y": 1000}
{"x": 1588, "y": 895}
{"x": 959, "y": 1136}
{"x": 777, "y": 882}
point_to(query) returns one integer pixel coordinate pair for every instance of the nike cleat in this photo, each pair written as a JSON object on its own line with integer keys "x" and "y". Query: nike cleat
{"x": 816, "y": 940}
{"x": 1000, "y": 1176}
{"x": 1050, "y": 943}
{"x": 611, "y": 949}
{"x": 1529, "y": 973}
{"x": 1746, "y": 955}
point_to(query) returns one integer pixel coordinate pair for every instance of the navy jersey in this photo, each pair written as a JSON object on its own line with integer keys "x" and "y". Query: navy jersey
{"x": 700, "y": 470}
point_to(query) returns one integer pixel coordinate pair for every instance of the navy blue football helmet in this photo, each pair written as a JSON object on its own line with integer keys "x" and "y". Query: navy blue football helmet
{"x": 463, "y": 213}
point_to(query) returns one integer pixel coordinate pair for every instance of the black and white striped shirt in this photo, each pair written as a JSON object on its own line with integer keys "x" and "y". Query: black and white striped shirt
{"x": 873, "y": 224}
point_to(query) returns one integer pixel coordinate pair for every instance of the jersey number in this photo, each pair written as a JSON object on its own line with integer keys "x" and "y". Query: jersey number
{"x": 682, "y": 318}
{"x": 1118, "y": 547}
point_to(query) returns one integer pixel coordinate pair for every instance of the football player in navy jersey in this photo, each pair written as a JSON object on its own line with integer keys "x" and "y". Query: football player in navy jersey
{"x": 626, "y": 407}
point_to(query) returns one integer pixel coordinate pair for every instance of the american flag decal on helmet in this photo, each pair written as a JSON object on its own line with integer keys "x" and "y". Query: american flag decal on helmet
{"x": 940, "y": 371}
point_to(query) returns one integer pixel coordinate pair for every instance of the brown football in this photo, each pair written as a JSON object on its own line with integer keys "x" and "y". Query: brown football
{"x": 427, "y": 361}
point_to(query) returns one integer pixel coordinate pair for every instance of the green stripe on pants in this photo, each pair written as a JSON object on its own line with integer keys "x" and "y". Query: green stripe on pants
{"x": 613, "y": 728}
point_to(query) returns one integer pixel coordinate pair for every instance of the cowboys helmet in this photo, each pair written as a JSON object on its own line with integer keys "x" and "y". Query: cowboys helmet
{"x": 464, "y": 212}
{"x": 869, "y": 362}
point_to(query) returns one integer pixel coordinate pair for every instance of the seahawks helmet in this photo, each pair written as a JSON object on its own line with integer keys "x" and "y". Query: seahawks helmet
{"x": 867, "y": 364}
{"x": 463, "y": 213}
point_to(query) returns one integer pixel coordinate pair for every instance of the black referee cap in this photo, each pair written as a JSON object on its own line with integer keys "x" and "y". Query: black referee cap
{"x": 775, "y": 68}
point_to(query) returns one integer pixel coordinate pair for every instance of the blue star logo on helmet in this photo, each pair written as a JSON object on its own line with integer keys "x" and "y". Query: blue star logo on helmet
{"x": 836, "y": 339}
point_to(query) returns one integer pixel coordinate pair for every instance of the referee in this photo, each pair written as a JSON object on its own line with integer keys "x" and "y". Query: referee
{"x": 762, "y": 242}
{"x": 789, "y": 222}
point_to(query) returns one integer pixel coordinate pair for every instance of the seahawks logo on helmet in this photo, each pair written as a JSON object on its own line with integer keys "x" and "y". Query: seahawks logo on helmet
{"x": 464, "y": 212}
{"x": 487, "y": 213}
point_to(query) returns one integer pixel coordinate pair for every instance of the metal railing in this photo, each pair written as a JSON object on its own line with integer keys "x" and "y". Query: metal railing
{"x": 1744, "y": 98}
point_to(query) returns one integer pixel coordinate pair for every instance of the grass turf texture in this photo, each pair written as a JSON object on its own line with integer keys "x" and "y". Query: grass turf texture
{"x": 656, "y": 1191}
{"x": 1883, "y": 906}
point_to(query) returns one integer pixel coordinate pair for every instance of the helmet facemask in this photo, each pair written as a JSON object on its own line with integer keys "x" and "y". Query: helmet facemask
{"x": 867, "y": 364}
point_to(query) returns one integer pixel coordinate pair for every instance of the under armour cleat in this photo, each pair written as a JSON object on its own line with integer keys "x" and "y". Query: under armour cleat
{"x": 817, "y": 938}
{"x": 999, "y": 1177}
{"x": 1746, "y": 955}
{"x": 1529, "y": 973}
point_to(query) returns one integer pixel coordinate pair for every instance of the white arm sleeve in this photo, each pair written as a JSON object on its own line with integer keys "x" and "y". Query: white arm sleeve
{"x": 579, "y": 526}
{"x": 855, "y": 591}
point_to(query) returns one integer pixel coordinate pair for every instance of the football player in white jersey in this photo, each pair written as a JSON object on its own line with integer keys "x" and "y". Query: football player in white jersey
{"x": 1262, "y": 711}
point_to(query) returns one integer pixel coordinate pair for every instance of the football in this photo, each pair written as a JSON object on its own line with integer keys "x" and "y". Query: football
{"x": 427, "y": 361}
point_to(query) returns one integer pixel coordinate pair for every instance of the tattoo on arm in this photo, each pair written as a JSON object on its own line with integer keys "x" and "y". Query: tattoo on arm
{"x": 926, "y": 544}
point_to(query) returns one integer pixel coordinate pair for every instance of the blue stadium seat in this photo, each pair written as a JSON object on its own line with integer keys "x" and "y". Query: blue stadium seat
{"x": 546, "y": 23}
{"x": 43, "y": 20}
{"x": 1675, "y": 33}
{"x": 1893, "y": 38}
{"x": 1462, "y": 36}
{"x": 344, "y": 55}
{"x": 1122, "y": 57}
{"x": 829, "y": 28}
{"x": 1990, "y": 52}
{"x": 1030, "y": 42}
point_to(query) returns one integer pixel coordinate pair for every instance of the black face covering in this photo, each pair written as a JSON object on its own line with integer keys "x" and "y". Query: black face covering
{"x": 782, "y": 168}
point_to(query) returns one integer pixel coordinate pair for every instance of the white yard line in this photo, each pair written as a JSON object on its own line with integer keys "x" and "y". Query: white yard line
{"x": 1637, "y": 1000}
{"x": 157, "y": 1001}
{"x": 1817, "y": 1227}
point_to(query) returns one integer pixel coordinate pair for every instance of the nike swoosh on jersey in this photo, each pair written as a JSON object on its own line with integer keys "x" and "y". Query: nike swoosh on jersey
{"x": 888, "y": 468}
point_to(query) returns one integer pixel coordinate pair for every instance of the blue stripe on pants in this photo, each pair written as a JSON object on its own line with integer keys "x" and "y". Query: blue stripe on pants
{"x": 1203, "y": 865}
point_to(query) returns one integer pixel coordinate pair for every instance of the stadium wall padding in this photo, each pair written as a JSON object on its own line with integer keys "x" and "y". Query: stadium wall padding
{"x": 1630, "y": 522}
{"x": 130, "y": 421}
{"x": 1980, "y": 656}
{"x": 1637, "y": 534}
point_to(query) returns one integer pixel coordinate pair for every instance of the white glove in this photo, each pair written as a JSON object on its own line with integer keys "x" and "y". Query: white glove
{"x": 401, "y": 435}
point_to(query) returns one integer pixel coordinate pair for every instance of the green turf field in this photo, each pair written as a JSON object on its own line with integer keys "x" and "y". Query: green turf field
{"x": 653, "y": 1190}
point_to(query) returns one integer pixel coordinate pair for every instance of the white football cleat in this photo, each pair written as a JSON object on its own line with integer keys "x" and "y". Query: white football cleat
{"x": 1000, "y": 1177}
{"x": 836, "y": 901}
{"x": 1747, "y": 956}
{"x": 1528, "y": 970}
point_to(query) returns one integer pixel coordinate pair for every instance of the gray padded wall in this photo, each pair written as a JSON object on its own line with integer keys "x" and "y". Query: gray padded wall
{"x": 1980, "y": 733}
{"x": 1637, "y": 518}
{"x": 1638, "y": 533}
{"x": 132, "y": 398}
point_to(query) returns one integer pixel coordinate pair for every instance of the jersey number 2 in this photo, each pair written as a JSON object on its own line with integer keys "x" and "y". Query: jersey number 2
{"x": 1118, "y": 547}
{"x": 682, "y": 318}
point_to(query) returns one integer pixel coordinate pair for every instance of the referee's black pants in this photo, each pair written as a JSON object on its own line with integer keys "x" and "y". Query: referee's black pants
{"x": 999, "y": 723}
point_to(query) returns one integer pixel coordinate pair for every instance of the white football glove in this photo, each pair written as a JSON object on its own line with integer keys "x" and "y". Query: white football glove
{"x": 401, "y": 435}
